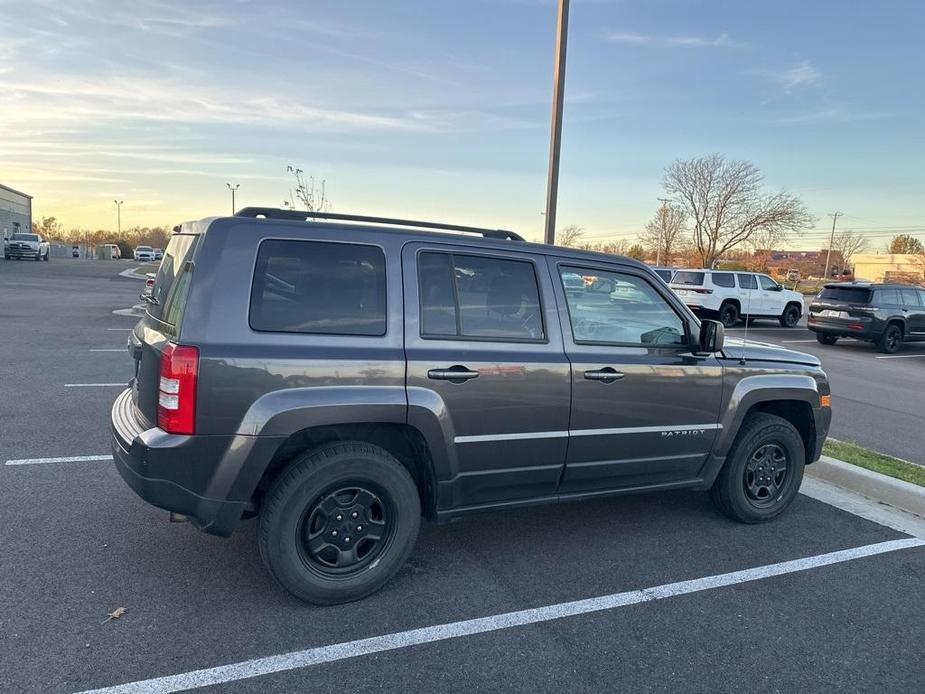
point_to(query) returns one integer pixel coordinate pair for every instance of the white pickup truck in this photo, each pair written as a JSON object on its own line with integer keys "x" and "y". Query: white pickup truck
{"x": 28, "y": 246}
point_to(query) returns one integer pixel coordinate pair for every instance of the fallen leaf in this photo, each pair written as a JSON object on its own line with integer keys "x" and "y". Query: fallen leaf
{"x": 115, "y": 614}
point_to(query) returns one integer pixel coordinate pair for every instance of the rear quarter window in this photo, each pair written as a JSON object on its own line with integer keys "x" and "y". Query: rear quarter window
{"x": 723, "y": 279}
{"x": 170, "y": 294}
{"x": 318, "y": 287}
{"x": 691, "y": 278}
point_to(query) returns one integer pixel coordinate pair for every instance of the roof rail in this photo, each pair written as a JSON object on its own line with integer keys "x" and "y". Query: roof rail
{"x": 303, "y": 216}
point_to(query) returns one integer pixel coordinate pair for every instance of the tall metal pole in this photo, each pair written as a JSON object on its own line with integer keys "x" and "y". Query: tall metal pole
{"x": 828, "y": 255}
{"x": 233, "y": 188}
{"x": 661, "y": 229}
{"x": 118, "y": 216}
{"x": 555, "y": 138}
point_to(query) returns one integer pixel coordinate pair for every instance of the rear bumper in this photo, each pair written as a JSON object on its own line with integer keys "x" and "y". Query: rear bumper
{"x": 839, "y": 327}
{"x": 209, "y": 479}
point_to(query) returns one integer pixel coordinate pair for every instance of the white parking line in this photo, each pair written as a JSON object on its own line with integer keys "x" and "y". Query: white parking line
{"x": 793, "y": 342}
{"x": 469, "y": 627}
{"x": 69, "y": 459}
{"x": 901, "y": 356}
{"x": 109, "y": 349}
{"x": 94, "y": 385}
{"x": 121, "y": 329}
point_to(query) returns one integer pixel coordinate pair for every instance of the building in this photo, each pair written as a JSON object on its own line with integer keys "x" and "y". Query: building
{"x": 15, "y": 212}
{"x": 809, "y": 263}
{"x": 890, "y": 267}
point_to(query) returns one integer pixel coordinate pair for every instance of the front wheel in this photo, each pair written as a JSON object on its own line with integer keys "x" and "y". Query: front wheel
{"x": 728, "y": 315}
{"x": 763, "y": 471}
{"x": 339, "y": 522}
{"x": 791, "y": 316}
{"x": 891, "y": 339}
{"x": 47, "y": 253}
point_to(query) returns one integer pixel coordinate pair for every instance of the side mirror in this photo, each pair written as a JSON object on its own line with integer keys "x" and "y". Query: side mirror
{"x": 712, "y": 336}
{"x": 778, "y": 288}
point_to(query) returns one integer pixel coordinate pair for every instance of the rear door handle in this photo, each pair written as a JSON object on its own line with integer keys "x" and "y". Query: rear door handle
{"x": 605, "y": 375}
{"x": 454, "y": 374}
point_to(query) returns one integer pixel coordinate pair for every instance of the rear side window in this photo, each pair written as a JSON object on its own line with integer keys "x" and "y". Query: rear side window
{"x": 317, "y": 287}
{"x": 469, "y": 296}
{"x": 169, "y": 293}
{"x": 747, "y": 282}
{"x": 890, "y": 297}
{"x": 691, "y": 278}
{"x": 724, "y": 279}
{"x": 850, "y": 295}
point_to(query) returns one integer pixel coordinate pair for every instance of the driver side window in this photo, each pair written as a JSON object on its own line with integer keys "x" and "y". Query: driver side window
{"x": 617, "y": 308}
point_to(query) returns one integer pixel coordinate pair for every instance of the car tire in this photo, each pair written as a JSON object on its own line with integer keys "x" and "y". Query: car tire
{"x": 891, "y": 339}
{"x": 728, "y": 315}
{"x": 826, "y": 339}
{"x": 46, "y": 256}
{"x": 763, "y": 471}
{"x": 791, "y": 316}
{"x": 326, "y": 493}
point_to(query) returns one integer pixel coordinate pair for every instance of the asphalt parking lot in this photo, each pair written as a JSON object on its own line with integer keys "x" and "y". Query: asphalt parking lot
{"x": 878, "y": 399}
{"x": 820, "y": 602}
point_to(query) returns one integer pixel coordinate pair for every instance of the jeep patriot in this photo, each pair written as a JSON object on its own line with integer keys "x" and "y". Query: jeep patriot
{"x": 340, "y": 377}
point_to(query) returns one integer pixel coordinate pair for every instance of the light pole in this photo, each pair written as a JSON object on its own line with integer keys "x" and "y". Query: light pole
{"x": 555, "y": 137}
{"x": 661, "y": 230}
{"x": 233, "y": 188}
{"x": 118, "y": 216}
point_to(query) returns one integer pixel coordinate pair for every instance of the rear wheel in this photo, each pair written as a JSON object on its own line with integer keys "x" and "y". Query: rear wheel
{"x": 891, "y": 339}
{"x": 728, "y": 315}
{"x": 763, "y": 470}
{"x": 826, "y": 339}
{"x": 791, "y": 316}
{"x": 339, "y": 522}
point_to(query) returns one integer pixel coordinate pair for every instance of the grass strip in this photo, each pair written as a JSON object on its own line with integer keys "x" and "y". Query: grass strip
{"x": 878, "y": 462}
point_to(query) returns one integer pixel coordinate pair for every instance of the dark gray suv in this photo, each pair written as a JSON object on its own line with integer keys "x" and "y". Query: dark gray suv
{"x": 339, "y": 377}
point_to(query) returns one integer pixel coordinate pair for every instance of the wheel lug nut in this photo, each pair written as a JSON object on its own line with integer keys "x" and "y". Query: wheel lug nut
{"x": 359, "y": 528}
{"x": 347, "y": 539}
{"x": 339, "y": 517}
{"x": 334, "y": 533}
{"x": 353, "y": 515}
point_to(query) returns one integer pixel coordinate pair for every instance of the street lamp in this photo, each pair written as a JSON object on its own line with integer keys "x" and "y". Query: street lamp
{"x": 118, "y": 216}
{"x": 555, "y": 137}
{"x": 233, "y": 188}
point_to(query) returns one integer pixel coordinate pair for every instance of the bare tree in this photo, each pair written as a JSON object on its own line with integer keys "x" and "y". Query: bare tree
{"x": 905, "y": 244}
{"x": 848, "y": 243}
{"x": 665, "y": 234}
{"x": 636, "y": 251}
{"x": 727, "y": 206}
{"x": 306, "y": 194}
{"x": 570, "y": 235}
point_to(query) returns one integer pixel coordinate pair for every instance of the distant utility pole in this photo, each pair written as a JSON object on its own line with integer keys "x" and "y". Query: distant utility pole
{"x": 233, "y": 188}
{"x": 555, "y": 138}
{"x": 118, "y": 216}
{"x": 661, "y": 230}
{"x": 828, "y": 255}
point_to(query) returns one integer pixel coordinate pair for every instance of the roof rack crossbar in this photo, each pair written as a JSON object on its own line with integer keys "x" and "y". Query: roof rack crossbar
{"x": 302, "y": 216}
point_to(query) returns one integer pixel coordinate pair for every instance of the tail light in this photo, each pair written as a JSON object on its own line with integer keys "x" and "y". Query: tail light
{"x": 176, "y": 398}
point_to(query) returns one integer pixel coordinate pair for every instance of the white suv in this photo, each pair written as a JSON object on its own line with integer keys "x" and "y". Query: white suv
{"x": 144, "y": 253}
{"x": 733, "y": 295}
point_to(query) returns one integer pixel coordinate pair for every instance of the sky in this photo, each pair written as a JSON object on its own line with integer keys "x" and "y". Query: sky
{"x": 440, "y": 110}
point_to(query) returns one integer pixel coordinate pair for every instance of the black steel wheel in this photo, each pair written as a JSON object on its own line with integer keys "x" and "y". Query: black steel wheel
{"x": 728, "y": 315}
{"x": 338, "y": 522}
{"x": 891, "y": 339}
{"x": 763, "y": 471}
{"x": 826, "y": 339}
{"x": 791, "y": 316}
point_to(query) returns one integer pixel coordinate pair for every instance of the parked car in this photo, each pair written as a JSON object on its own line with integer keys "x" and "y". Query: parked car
{"x": 144, "y": 254}
{"x": 885, "y": 314}
{"x": 340, "y": 381}
{"x": 114, "y": 252}
{"x": 158, "y": 253}
{"x": 664, "y": 273}
{"x": 26, "y": 247}
{"x": 730, "y": 296}
{"x": 75, "y": 251}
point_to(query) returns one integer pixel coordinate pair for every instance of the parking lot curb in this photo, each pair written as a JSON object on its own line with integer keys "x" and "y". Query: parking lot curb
{"x": 131, "y": 274}
{"x": 888, "y": 490}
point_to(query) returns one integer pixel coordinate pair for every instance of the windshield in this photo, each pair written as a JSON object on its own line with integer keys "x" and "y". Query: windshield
{"x": 851, "y": 295}
{"x": 25, "y": 237}
{"x": 692, "y": 278}
{"x": 143, "y": 248}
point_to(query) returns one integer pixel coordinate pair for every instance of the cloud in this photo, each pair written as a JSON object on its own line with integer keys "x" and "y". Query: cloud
{"x": 834, "y": 115}
{"x": 803, "y": 74}
{"x": 673, "y": 41}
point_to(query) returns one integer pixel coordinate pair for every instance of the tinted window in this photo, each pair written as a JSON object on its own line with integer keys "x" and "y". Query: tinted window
{"x": 850, "y": 295}
{"x": 724, "y": 279}
{"x": 890, "y": 297}
{"x": 692, "y": 278}
{"x": 479, "y": 297}
{"x": 25, "y": 237}
{"x": 910, "y": 297}
{"x": 766, "y": 282}
{"x": 624, "y": 310}
{"x": 747, "y": 281}
{"x": 317, "y": 287}
{"x": 664, "y": 274}
{"x": 179, "y": 251}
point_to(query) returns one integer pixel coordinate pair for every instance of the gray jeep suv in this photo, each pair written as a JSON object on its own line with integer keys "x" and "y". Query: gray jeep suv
{"x": 340, "y": 376}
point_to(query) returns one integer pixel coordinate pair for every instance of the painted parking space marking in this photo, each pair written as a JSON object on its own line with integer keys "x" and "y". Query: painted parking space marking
{"x": 793, "y": 342}
{"x": 95, "y": 385}
{"x": 108, "y": 349}
{"x": 441, "y": 632}
{"x": 901, "y": 356}
{"x": 66, "y": 459}
{"x": 121, "y": 329}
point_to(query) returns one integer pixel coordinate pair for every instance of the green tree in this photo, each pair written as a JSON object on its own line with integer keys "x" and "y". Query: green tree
{"x": 906, "y": 244}
{"x": 636, "y": 251}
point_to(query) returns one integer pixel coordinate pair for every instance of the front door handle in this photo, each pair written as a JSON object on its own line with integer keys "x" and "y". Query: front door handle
{"x": 605, "y": 375}
{"x": 454, "y": 374}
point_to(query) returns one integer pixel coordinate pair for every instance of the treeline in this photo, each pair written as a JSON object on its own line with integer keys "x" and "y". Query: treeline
{"x": 52, "y": 230}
